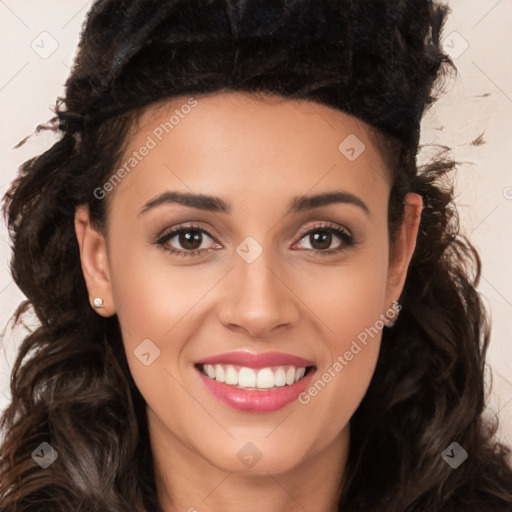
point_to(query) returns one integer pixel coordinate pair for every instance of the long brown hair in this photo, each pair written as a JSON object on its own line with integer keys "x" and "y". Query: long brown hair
{"x": 71, "y": 385}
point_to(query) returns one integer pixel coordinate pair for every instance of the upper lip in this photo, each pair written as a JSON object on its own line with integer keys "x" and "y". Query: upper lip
{"x": 251, "y": 360}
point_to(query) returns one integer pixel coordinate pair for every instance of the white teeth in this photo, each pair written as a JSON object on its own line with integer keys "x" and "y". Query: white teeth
{"x": 231, "y": 376}
{"x": 211, "y": 371}
{"x": 265, "y": 378}
{"x": 280, "y": 377}
{"x": 299, "y": 373}
{"x": 219, "y": 372}
{"x": 246, "y": 378}
{"x": 249, "y": 378}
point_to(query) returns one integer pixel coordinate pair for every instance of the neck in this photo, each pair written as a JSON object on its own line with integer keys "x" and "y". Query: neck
{"x": 187, "y": 481}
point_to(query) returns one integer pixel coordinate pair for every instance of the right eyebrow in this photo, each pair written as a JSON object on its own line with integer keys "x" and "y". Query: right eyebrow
{"x": 199, "y": 201}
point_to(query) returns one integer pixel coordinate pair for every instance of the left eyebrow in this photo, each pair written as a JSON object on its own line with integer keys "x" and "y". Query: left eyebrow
{"x": 302, "y": 203}
{"x": 216, "y": 204}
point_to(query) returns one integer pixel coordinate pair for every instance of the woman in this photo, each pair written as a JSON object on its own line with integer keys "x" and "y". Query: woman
{"x": 250, "y": 296}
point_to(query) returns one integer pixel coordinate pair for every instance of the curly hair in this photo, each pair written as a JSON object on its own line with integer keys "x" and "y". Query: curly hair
{"x": 377, "y": 60}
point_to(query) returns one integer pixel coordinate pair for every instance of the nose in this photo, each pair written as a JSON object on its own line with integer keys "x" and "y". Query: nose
{"x": 258, "y": 301}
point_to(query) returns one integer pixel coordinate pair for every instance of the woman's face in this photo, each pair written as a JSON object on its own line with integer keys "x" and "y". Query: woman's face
{"x": 282, "y": 266}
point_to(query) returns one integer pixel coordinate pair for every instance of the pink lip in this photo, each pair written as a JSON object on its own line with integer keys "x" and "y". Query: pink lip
{"x": 250, "y": 360}
{"x": 256, "y": 401}
{"x": 250, "y": 400}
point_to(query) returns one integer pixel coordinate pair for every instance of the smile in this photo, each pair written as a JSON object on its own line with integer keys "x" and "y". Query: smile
{"x": 255, "y": 382}
{"x": 243, "y": 377}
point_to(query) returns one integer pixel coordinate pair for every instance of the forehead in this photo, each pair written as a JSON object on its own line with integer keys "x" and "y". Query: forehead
{"x": 265, "y": 145}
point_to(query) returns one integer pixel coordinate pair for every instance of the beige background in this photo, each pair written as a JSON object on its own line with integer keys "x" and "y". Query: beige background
{"x": 37, "y": 44}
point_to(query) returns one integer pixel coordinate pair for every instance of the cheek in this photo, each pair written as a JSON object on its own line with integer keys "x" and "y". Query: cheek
{"x": 353, "y": 304}
{"x": 353, "y": 296}
{"x": 151, "y": 293}
{"x": 157, "y": 304}
{"x": 153, "y": 317}
{"x": 339, "y": 385}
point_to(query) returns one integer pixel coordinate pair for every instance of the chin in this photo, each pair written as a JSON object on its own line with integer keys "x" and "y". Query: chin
{"x": 257, "y": 457}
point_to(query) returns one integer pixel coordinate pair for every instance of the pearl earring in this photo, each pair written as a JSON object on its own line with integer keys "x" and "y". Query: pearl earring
{"x": 98, "y": 302}
{"x": 396, "y": 309}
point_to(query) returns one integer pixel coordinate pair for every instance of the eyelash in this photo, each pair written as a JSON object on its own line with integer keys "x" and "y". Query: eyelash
{"x": 347, "y": 239}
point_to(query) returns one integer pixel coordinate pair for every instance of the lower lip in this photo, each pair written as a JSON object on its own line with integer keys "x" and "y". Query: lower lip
{"x": 256, "y": 401}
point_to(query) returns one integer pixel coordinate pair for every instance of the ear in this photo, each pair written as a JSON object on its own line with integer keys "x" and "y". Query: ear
{"x": 94, "y": 259}
{"x": 403, "y": 248}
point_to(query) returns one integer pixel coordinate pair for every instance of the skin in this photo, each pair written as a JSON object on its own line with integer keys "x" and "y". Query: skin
{"x": 256, "y": 153}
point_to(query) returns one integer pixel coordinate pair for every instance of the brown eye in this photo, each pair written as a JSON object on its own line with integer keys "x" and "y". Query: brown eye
{"x": 320, "y": 239}
{"x": 186, "y": 240}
